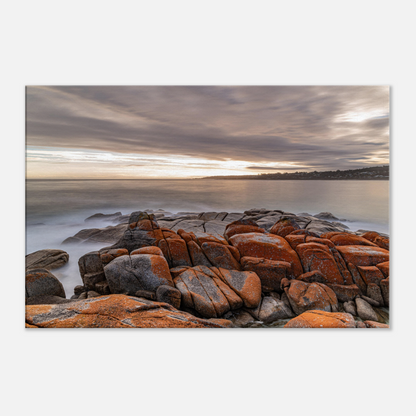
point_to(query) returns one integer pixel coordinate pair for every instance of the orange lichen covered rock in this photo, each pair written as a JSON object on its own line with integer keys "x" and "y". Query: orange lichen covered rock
{"x": 178, "y": 252}
{"x": 294, "y": 239}
{"x": 284, "y": 226}
{"x": 41, "y": 282}
{"x": 308, "y": 296}
{"x": 156, "y": 251}
{"x": 270, "y": 272}
{"x": 345, "y": 293}
{"x": 319, "y": 257}
{"x": 370, "y": 274}
{"x": 219, "y": 255}
{"x": 114, "y": 311}
{"x": 372, "y": 324}
{"x": 376, "y": 238}
{"x": 246, "y": 285}
{"x": 385, "y": 290}
{"x": 242, "y": 227}
{"x": 384, "y": 268}
{"x": 348, "y": 239}
{"x": 321, "y": 319}
{"x": 363, "y": 255}
{"x": 267, "y": 246}
{"x": 303, "y": 232}
{"x": 109, "y": 255}
{"x": 197, "y": 255}
{"x": 129, "y": 274}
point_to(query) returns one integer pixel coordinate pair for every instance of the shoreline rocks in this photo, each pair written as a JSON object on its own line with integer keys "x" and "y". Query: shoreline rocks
{"x": 259, "y": 268}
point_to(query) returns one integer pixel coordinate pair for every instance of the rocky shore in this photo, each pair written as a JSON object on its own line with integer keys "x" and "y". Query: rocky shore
{"x": 260, "y": 268}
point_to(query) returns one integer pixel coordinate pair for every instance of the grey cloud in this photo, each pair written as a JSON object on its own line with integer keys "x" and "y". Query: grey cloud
{"x": 258, "y": 124}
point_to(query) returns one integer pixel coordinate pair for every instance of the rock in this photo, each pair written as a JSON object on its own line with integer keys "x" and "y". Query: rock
{"x": 272, "y": 309}
{"x": 91, "y": 269}
{"x": 370, "y": 301}
{"x": 346, "y": 239}
{"x": 312, "y": 277}
{"x": 178, "y": 252}
{"x": 345, "y": 293}
{"x": 372, "y": 324}
{"x": 284, "y": 226}
{"x": 384, "y": 268}
{"x": 349, "y": 307}
{"x": 168, "y": 294}
{"x": 321, "y": 319}
{"x": 79, "y": 289}
{"x": 156, "y": 251}
{"x": 309, "y": 296}
{"x": 92, "y": 294}
{"x": 320, "y": 227}
{"x": 365, "y": 311}
{"x": 114, "y": 311}
{"x": 363, "y": 255}
{"x": 242, "y": 318}
{"x": 146, "y": 294}
{"x": 102, "y": 288}
{"x": 370, "y": 274}
{"x": 319, "y": 257}
{"x": 267, "y": 246}
{"x": 100, "y": 216}
{"x": 246, "y": 285}
{"x": 374, "y": 292}
{"x": 242, "y": 227}
{"x": 197, "y": 255}
{"x": 385, "y": 289}
{"x": 41, "y": 282}
{"x": 47, "y": 300}
{"x": 199, "y": 292}
{"x": 108, "y": 255}
{"x": 83, "y": 295}
{"x": 270, "y": 272}
{"x": 220, "y": 256}
{"x": 378, "y": 239}
{"x": 326, "y": 216}
{"x": 48, "y": 259}
{"x": 360, "y": 324}
{"x": 128, "y": 274}
{"x": 142, "y": 231}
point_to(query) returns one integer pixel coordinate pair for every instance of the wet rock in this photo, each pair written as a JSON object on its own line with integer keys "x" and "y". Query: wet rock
{"x": 41, "y": 282}
{"x": 322, "y": 319}
{"x": 365, "y": 311}
{"x": 48, "y": 259}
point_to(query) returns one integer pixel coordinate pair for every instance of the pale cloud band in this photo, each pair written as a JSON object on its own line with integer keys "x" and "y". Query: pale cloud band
{"x": 153, "y": 131}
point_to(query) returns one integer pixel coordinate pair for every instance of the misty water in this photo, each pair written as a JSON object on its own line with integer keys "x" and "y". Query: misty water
{"x": 56, "y": 210}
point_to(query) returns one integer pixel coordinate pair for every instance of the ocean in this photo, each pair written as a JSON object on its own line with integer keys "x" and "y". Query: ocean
{"x": 56, "y": 209}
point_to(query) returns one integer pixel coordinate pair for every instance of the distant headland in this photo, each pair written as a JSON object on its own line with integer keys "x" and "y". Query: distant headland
{"x": 373, "y": 173}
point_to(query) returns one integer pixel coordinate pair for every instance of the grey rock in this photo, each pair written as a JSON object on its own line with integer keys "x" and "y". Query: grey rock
{"x": 374, "y": 292}
{"x": 365, "y": 311}
{"x": 326, "y": 216}
{"x": 47, "y": 300}
{"x": 93, "y": 294}
{"x": 41, "y": 282}
{"x": 370, "y": 301}
{"x": 241, "y": 318}
{"x": 48, "y": 259}
{"x": 168, "y": 294}
{"x": 102, "y": 288}
{"x": 273, "y": 309}
{"x": 100, "y": 216}
{"x": 128, "y": 274}
{"x": 349, "y": 307}
{"x": 79, "y": 289}
{"x": 147, "y": 294}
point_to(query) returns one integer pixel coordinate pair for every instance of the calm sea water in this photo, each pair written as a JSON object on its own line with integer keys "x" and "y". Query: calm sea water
{"x": 56, "y": 210}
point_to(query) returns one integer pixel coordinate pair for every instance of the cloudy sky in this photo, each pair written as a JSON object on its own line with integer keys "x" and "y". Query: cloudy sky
{"x": 180, "y": 132}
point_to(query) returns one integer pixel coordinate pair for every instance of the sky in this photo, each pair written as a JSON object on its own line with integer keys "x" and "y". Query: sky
{"x": 128, "y": 132}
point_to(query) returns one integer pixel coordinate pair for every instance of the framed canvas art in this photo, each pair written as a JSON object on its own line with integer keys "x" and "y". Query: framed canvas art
{"x": 207, "y": 207}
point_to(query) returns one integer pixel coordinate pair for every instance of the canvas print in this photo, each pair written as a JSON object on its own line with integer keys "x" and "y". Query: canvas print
{"x": 232, "y": 207}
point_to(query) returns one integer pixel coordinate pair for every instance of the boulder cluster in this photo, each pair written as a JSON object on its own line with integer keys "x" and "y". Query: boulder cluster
{"x": 260, "y": 268}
